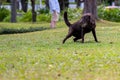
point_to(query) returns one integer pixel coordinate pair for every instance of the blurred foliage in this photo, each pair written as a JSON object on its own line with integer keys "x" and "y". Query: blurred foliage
{"x": 26, "y": 17}
{"x": 110, "y": 14}
{"x": 7, "y": 19}
{"x": 74, "y": 13}
{"x": 44, "y": 17}
{"x": 3, "y": 13}
{"x": 43, "y": 11}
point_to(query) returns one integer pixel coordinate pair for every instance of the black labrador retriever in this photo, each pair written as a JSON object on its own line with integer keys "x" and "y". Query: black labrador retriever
{"x": 78, "y": 29}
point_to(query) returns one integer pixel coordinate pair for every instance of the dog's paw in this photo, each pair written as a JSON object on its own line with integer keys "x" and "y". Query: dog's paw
{"x": 63, "y": 42}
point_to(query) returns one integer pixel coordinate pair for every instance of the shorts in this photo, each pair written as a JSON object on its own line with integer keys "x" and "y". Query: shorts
{"x": 55, "y": 16}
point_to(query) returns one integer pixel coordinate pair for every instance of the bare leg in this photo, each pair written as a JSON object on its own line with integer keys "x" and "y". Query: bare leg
{"x": 55, "y": 24}
{"x": 54, "y": 19}
{"x": 52, "y": 24}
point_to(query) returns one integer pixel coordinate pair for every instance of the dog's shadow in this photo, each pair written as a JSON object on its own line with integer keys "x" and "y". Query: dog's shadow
{"x": 86, "y": 42}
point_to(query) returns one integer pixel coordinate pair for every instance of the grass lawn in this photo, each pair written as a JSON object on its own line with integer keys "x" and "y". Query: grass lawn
{"x": 40, "y": 55}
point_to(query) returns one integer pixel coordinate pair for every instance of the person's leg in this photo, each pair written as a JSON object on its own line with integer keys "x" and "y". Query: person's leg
{"x": 52, "y": 24}
{"x": 55, "y": 23}
{"x": 54, "y": 19}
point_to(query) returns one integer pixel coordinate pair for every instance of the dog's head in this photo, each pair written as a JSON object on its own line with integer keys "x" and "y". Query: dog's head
{"x": 87, "y": 19}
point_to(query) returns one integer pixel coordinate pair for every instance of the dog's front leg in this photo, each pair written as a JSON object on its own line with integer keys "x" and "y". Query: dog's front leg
{"x": 94, "y": 34}
{"x": 82, "y": 35}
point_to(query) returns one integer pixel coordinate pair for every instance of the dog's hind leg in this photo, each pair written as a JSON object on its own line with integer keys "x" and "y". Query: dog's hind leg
{"x": 94, "y": 34}
{"x": 68, "y": 36}
{"x": 75, "y": 39}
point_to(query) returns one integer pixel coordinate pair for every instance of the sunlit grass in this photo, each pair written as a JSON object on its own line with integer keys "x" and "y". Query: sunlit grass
{"x": 41, "y": 55}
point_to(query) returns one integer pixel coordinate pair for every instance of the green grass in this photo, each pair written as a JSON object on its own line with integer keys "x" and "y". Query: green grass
{"x": 41, "y": 55}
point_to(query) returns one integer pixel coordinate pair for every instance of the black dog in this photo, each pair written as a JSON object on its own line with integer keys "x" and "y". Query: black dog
{"x": 78, "y": 29}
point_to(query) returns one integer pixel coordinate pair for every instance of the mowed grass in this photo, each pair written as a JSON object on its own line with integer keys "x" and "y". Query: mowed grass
{"x": 41, "y": 55}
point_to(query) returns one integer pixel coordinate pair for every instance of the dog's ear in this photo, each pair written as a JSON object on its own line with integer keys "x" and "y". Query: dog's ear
{"x": 92, "y": 19}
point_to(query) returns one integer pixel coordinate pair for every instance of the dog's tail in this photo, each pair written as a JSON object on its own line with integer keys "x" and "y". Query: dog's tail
{"x": 66, "y": 19}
